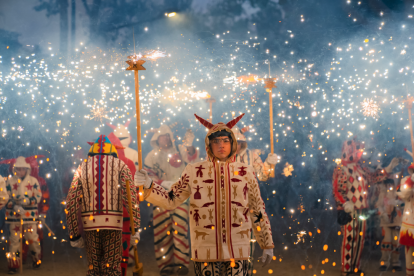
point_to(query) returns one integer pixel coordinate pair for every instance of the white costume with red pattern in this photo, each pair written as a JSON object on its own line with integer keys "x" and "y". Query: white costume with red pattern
{"x": 350, "y": 189}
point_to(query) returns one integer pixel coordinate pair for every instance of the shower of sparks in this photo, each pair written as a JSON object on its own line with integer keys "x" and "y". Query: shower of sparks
{"x": 98, "y": 113}
{"x": 301, "y": 237}
{"x": 370, "y": 108}
{"x": 287, "y": 170}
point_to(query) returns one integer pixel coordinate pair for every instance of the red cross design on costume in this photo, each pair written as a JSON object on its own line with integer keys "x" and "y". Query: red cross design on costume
{"x": 16, "y": 228}
{"x": 15, "y": 186}
{"x": 200, "y": 171}
{"x": 242, "y": 172}
{"x": 29, "y": 187}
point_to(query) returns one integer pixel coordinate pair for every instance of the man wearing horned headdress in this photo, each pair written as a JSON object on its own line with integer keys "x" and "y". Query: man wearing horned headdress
{"x": 166, "y": 162}
{"x": 219, "y": 230}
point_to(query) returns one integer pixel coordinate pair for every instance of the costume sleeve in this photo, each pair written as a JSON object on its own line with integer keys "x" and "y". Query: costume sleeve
{"x": 73, "y": 207}
{"x": 36, "y": 196}
{"x": 340, "y": 188}
{"x": 375, "y": 177}
{"x": 4, "y": 196}
{"x": 11, "y": 202}
{"x": 175, "y": 196}
{"x": 261, "y": 168}
{"x": 406, "y": 188}
{"x": 127, "y": 175}
{"x": 258, "y": 216}
{"x": 186, "y": 157}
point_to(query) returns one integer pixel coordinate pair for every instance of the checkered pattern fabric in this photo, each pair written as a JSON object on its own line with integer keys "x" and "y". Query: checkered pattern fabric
{"x": 104, "y": 252}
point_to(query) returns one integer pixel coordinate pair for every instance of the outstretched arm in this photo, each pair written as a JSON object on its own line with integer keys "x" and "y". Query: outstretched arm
{"x": 172, "y": 198}
{"x": 339, "y": 187}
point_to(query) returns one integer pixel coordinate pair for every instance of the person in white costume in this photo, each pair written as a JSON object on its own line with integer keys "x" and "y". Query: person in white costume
{"x": 24, "y": 196}
{"x": 172, "y": 248}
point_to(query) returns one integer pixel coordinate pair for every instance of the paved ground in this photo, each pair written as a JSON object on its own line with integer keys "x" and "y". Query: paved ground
{"x": 67, "y": 261}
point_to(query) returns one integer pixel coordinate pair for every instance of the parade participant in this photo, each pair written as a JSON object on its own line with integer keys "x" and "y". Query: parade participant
{"x": 98, "y": 191}
{"x": 24, "y": 196}
{"x": 350, "y": 190}
{"x": 252, "y": 157}
{"x": 4, "y": 196}
{"x": 225, "y": 205}
{"x": 172, "y": 248}
{"x": 390, "y": 213}
{"x": 43, "y": 205}
{"x": 262, "y": 170}
{"x": 406, "y": 193}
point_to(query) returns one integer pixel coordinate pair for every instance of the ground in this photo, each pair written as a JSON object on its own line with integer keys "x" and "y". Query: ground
{"x": 67, "y": 261}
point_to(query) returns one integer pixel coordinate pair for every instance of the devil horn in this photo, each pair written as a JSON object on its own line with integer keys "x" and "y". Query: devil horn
{"x": 8, "y": 161}
{"x": 245, "y": 129}
{"x": 127, "y": 123}
{"x": 111, "y": 126}
{"x": 118, "y": 147}
{"x": 233, "y": 122}
{"x": 205, "y": 123}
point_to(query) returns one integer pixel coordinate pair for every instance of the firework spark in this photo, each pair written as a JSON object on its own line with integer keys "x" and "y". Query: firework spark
{"x": 370, "y": 108}
{"x": 98, "y": 113}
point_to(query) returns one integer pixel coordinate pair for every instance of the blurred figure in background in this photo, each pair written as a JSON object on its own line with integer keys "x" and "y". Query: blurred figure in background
{"x": 24, "y": 196}
{"x": 172, "y": 248}
{"x": 350, "y": 190}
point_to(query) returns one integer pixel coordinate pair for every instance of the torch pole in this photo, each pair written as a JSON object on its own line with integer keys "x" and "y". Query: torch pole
{"x": 409, "y": 105}
{"x": 138, "y": 266}
{"x": 135, "y": 64}
{"x": 272, "y": 167}
{"x": 21, "y": 248}
{"x": 211, "y": 112}
{"x": 138, "y": 109}
{"x": 269, "y": 85}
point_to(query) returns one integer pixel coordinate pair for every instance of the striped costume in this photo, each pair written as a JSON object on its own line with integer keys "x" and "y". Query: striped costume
{"x": 98, "y": 193}
{"x": 171, "y": 244}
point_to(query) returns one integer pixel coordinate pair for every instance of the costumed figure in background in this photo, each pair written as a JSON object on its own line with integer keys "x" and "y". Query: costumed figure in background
{"x": 121, "y": 138}
{"x": 350, "y": 190}
{"x": 406, "y": 193}
{"x": 4, "y": 196}
{"x": 43, "y": 205}
{"x": 252, "y": 157}
{"x": 225, "y": 205}
{"x": 98, "y": 194}
{"x": 172, "y": 248}
{"x": 24, "y": 196}
{"x": 262, "y": 170}
{"x": 390, "y": 213}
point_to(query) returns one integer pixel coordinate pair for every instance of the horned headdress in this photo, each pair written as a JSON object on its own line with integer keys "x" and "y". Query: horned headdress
{"x": 219, "y": 127}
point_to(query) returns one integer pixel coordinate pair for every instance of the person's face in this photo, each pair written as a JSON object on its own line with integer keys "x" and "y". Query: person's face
{"x": 221, "y": 147}
{"x": 164, "y": 141}
{"x": 20, "y": 172}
